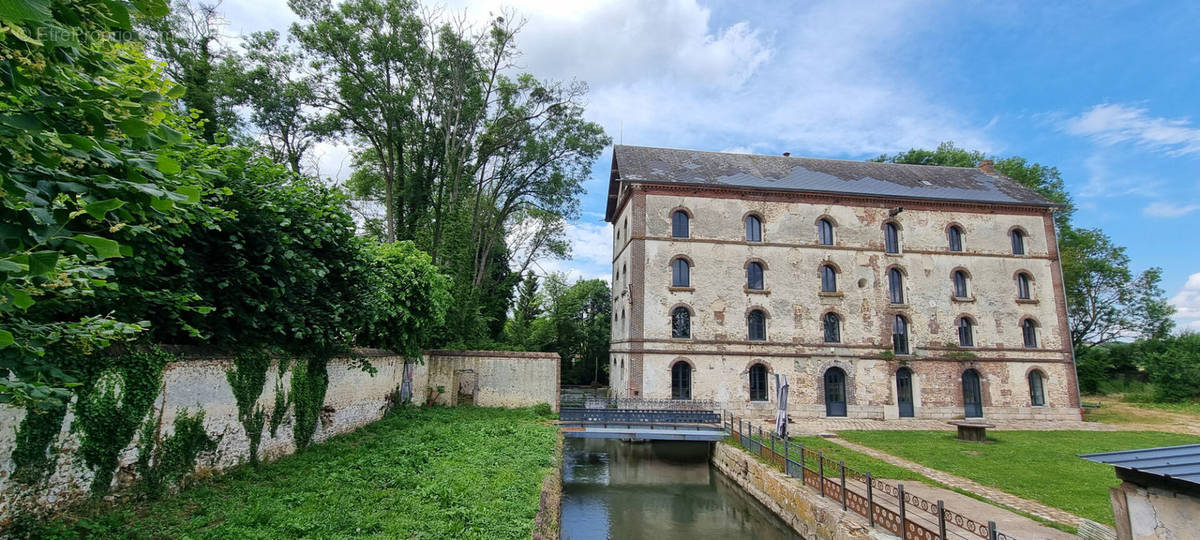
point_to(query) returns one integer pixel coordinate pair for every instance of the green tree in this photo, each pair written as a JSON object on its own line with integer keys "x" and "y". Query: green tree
{"x": 89, "y": 146}
{"x": 582, "y": 321}
{"x": 519, "y": 328}
{"x": 411, "y": 301}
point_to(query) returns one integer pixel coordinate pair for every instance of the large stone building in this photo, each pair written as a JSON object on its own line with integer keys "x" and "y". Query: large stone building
{"x": 881, "y": 290}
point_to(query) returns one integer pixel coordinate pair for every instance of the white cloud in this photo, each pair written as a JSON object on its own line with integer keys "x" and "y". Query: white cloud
{"x": 1169, "y": 210}
{"x": 1103, "y": 181}
{"x": 1187, "y": 301}
{"x": 1113, "y": 123}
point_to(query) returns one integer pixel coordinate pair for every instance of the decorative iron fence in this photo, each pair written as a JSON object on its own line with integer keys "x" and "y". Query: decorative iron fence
{"x": 885, "y": 505}
{"x": 640, "y": 416}
{"x": 594, "y": 402}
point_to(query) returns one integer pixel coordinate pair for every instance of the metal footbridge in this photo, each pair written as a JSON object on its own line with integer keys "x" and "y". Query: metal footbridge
{"x": 644, "y": 419}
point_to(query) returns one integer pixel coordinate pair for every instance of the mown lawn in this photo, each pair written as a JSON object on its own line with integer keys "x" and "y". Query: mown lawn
{"x": 854, "y": 460}
{"x": 419, "y": 473}
{"x": 1039, "y": 465}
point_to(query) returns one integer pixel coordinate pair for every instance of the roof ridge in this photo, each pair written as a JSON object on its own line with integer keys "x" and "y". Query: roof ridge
{"x": 858, "y": 161}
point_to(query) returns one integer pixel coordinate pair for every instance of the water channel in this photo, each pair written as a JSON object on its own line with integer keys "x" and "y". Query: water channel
{"x": 660, "y": 490}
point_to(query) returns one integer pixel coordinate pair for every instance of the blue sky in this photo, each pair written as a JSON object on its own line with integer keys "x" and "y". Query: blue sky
{"x": 1106, "y": 92}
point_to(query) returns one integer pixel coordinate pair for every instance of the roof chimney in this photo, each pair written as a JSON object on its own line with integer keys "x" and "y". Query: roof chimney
{"x": 986, "y": 166}
{"x": 787, "y": 154}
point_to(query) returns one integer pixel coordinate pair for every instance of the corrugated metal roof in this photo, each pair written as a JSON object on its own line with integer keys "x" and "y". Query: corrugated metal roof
{"x": 894, "y": 180}
{"x": 1177, "y": 462}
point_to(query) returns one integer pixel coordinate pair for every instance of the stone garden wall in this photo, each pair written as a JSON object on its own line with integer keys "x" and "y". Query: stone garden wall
{"x": 199, "y": 382}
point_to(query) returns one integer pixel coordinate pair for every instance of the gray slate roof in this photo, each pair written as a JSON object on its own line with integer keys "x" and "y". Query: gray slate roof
{"x": 892, "y": 180}
{"x": 1177, "y": 462}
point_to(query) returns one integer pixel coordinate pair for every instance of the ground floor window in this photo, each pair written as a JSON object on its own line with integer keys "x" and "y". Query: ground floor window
{"x": 1037, "y": 391}
{"x": 681, "y": 381}
{"x": 758, "y": 382}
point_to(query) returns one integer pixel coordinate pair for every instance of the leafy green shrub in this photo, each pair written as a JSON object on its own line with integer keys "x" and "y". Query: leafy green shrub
{"x": 408, "y": 301}
{"x": 1175, "y": 368}
{"x": 543, "y": 410}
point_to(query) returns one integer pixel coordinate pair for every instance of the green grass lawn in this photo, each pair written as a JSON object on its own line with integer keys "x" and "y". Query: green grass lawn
{"x": 419, "y": 473}
{"x": 1039, "y": 465}
{"x": 854, "y": 460}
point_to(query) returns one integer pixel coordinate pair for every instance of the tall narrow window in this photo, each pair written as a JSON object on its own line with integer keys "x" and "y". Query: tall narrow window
{"x": 756, "y": 321}
{"x": 1029, "y": 333}
{"x": 679, "y": 224}
{"x": 681, "y": 381}
{"x": 825, "y": 232}
{"x": 681, "y": 323}
{"x": 833, "y": 328}
{"x": 753, "y": 229}
{"x": 966, "y": 334}
{"x": 1023, "y": 286}
{"x": 891, "y": 238}
{"x": 758, "y": 382}
{"x": 896, "y": 286}
{"x": 1037, "y": 391}
{"x": 954, "y": 233}
{"x": 960, "y": 284}
{"x": 681, "y": 273}
{"x": 754, "y": 276}
{"x": 900, "y": 335}
{"x": 828, "y": 279}
{"x": 1018, "y": 242}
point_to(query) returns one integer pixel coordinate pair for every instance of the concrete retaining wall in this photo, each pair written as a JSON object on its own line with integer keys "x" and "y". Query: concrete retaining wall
{"x": 808, "y": 514}
{"x": 354, "y": 398}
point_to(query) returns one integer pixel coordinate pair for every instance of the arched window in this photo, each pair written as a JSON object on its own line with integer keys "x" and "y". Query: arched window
{"x": 833, "y": 328}
{"x": 753, "y": 229}
{"x": 681, "y": 273}
{"x": 891, "y": 238}
{"x": 895, "y": 286}
{"x": 1037, "y": 390}
{"x": 754, "y": 276}
{"x": 960, "y": 284}
{"x": 681, "y": 323}
{"x": 681, "y": 380}
{"x": 1018, "y": 242}
{"x": 954, "y": 234}
{"x": 1029, "y": 333}
{"x": 825, "y": 232}
{"x": 828, "y": 278}
{"x": 972, "y": 394}
{"x": 900, "y": 335}
{"x": 1023, "y": 286}
{"x": 966, "y": 334}
{"x": 835, "y": 392}
{"x": 679, "y": 224}
{"x": 758, "y": 382}
{"x": 756, "y": 321}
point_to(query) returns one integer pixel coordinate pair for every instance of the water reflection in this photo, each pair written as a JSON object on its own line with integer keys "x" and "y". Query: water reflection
{"x": 661, "y": 490}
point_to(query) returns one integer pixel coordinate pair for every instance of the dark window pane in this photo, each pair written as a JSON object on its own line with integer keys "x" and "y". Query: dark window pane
{"x": 900, "y": 335}
{"x": 825, "y": 232}
{"x": 833, "y": 331}
{"x": 758, "y": 382}
{"x": 828, "y": 279}
{"x": 754, "y": 276}
{"x": 966, "y": 337}
{"x": 681, "y": 273}
{"x": 681, "y": 381}
{"x": 679, "y": 224}
{"x": 960, "y": 284}
{"x": 757, "y": 323}
{"x": 1029, "y": 333}
{"x": 681, "y": 323}
{"x": 1023, "y": 287}
{"x": 891, "y": 238}
{"x": 955, "y": 239}
{"x": 1018, "y": 243}
{"x": 895, "y": 286}
{"x": 1037, "y": 394}
{"x": 753, "y": 229}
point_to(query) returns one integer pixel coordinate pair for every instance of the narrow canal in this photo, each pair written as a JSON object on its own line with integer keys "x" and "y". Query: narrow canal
{"x": 659, "y": 490}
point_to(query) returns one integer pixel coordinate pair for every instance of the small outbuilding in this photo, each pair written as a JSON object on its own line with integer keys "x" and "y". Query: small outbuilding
{"x": 1159, "y": 495}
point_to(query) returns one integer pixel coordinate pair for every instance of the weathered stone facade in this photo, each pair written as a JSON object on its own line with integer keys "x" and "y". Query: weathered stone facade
{"x": 721, "y": 354}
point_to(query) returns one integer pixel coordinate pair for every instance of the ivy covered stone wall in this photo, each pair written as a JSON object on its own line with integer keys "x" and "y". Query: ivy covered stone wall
{"x": 203, "y": 410}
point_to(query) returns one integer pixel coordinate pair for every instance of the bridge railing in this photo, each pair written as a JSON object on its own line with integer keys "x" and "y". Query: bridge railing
{"x": 639, "y": 416}
{"x": 592, "y": 402}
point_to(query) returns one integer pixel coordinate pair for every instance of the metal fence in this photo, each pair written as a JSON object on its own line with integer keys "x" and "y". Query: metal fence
{"x": 640, "y": 416}
{"x": 595, "y": 402}
{"x": 885, "y": 505}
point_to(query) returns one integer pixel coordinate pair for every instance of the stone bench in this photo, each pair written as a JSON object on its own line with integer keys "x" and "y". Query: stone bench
{"x": 971, "y": 431}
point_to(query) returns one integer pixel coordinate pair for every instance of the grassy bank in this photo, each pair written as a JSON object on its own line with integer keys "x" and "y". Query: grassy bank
{"x": 1039, "y": 465}
{"x": 423, "y": 473}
